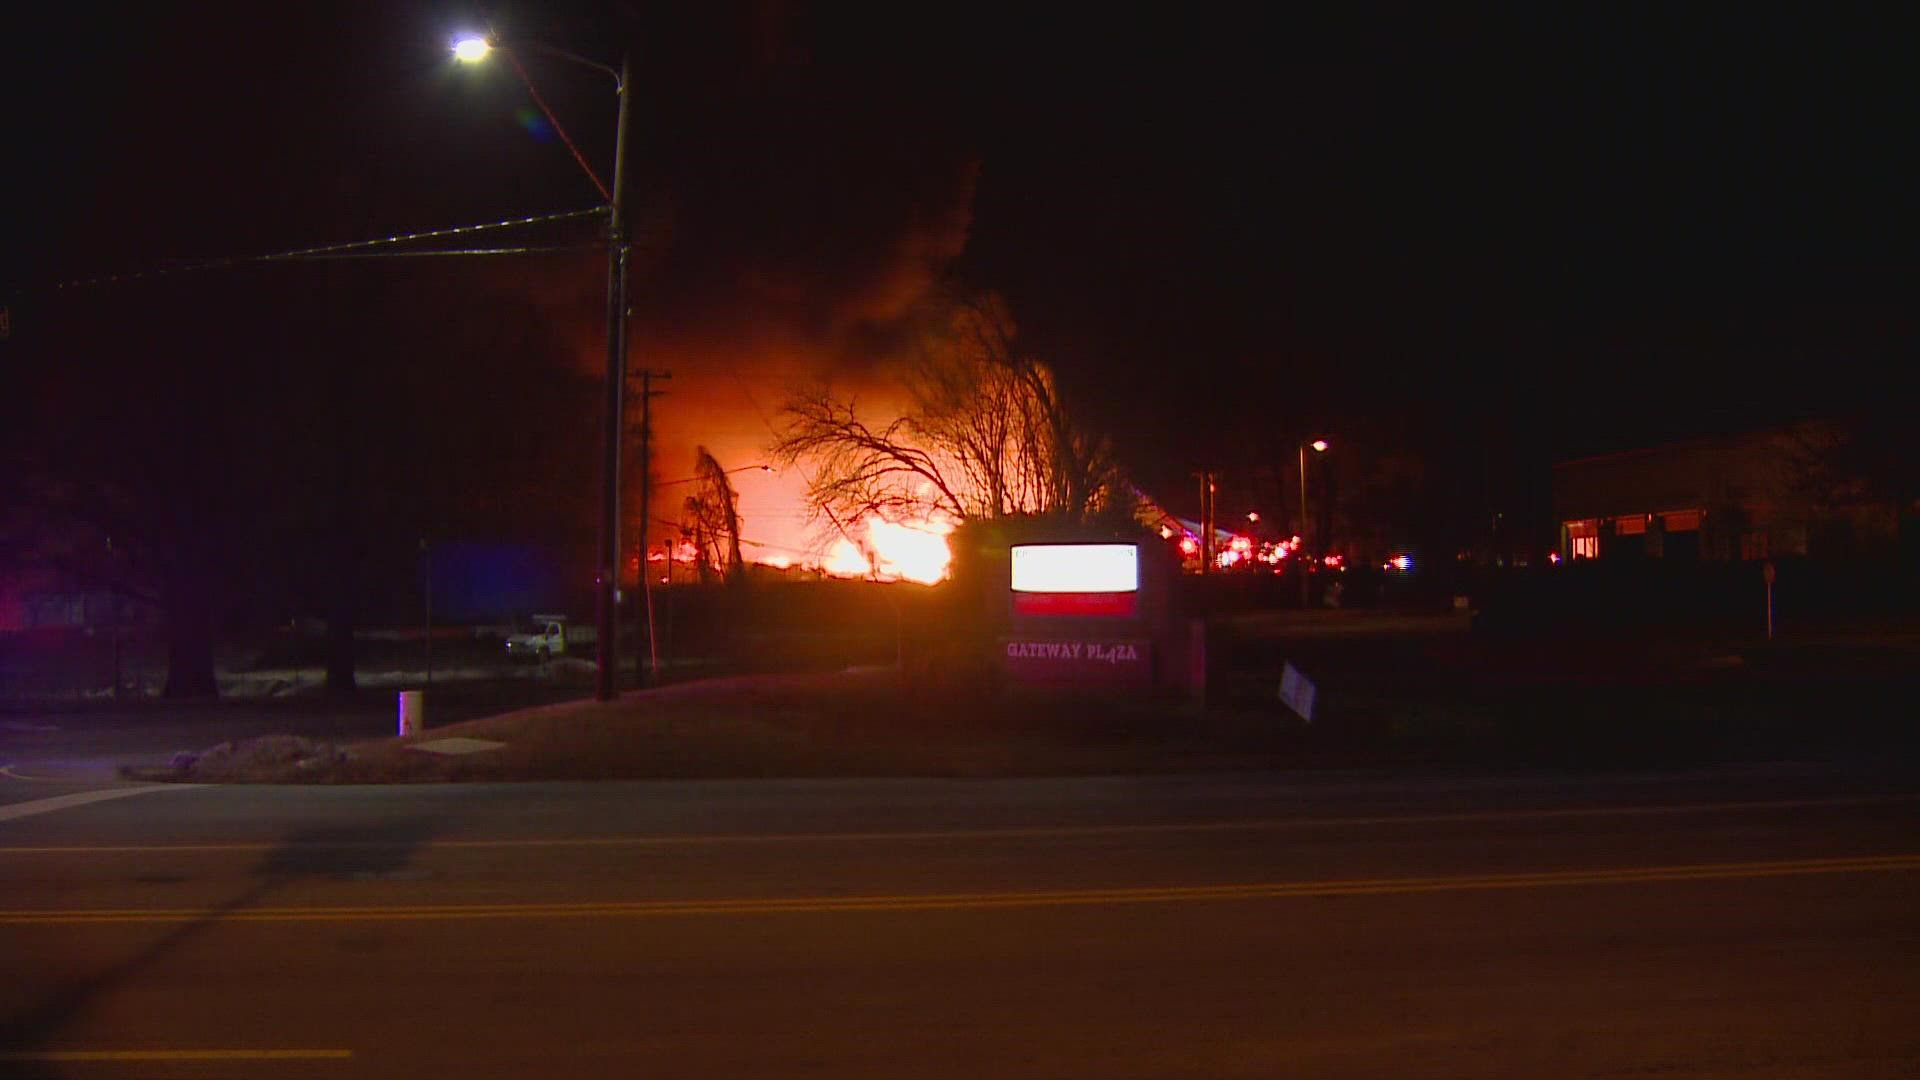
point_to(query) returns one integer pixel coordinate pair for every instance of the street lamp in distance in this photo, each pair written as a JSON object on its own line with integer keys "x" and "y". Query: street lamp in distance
{"x": 1318, "y": 446}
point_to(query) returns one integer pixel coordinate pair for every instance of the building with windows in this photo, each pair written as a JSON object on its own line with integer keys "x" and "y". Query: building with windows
{"x": 1732, "y": 498}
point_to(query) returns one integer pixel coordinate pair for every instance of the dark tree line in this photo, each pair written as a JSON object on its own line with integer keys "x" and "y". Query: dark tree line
{"x": 277, "y": 442}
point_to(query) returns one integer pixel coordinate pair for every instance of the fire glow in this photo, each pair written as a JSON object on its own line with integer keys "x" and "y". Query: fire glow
{"x": 892, "y": 551}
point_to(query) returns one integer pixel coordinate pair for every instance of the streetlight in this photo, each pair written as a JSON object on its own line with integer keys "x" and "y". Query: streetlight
{"x": 475, "y": 48}
{"x": 723, "y": 472}
{"x": 1319, "y": 446}
{"x": 472, "y": 50}
{"x": 644, "y": 553}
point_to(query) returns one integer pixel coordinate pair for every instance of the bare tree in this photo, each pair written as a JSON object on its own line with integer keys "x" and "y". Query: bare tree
{"x": 985, "y": 434}
{"x": 712, "y": 518}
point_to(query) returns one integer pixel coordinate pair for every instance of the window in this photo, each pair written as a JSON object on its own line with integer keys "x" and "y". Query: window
{"x": 1753, "y": 544}
{"x": 1584, "y": 538}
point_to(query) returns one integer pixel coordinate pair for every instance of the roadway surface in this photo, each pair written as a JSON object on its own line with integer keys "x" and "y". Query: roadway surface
{"x": 1759, "y": 922}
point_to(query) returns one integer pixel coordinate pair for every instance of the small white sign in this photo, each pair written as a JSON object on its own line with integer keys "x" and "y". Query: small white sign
{"x": 1296, "y": 692}
{"x": 1076, "y": 568}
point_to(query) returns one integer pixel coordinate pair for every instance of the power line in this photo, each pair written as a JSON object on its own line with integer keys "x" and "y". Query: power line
{"x": 679, "y": 526}
{"x": 539, "y": 249}
{"x": 350, "y": 249}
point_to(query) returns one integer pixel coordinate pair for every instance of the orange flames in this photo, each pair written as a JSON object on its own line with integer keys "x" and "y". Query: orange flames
{"x": 893, "y": 551}
{"x": 776, "y": 531}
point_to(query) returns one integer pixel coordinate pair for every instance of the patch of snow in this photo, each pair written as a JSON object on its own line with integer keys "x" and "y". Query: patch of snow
{"x": 457, "y": 745}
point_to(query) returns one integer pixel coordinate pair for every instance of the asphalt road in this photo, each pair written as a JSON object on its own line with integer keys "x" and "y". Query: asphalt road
{"x": 1743, "y": 923}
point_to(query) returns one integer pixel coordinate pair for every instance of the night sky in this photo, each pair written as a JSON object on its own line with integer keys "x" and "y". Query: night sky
{"x": 1496, "y": 240}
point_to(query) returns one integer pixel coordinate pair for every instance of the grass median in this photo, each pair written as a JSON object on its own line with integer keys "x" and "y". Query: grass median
{"x": 866, "y": 723}
{"x": 1412, "y": 697}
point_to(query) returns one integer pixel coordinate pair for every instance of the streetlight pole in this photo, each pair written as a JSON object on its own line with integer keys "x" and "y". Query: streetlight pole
{"x": 474, "y": 49}
{"x": 1208, "y": 490}
{"x": 1306, "y": 528}
{"x": 607, "y": 597}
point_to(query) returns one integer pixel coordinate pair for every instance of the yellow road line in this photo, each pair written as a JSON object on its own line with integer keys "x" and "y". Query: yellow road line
{"x": 175, "y": 1055}
{"x": 971, "y": 901}
{"x": 1044, "y": 832}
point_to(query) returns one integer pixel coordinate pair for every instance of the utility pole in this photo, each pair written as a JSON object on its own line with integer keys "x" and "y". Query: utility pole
{"x": 1301, "y": 556}
{"x": 426, "y": 557}
{"x": 113, "y": 616}
{"x": 607, "y": 589}
{"x": 650, "y": 671}
{"x": 1304, "y": 557}
{"x": 1207, "y": 492}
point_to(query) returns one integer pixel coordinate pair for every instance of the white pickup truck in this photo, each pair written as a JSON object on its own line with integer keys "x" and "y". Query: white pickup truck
{"x": 545, "y": 639}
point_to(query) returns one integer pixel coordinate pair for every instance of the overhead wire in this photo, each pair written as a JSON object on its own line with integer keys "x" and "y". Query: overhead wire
{"x": 359, "y": 249}
{"x": 538, "y": 249}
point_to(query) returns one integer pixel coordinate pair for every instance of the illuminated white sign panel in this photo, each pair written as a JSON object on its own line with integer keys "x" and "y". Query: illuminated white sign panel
{"x": 1076, "y": 568}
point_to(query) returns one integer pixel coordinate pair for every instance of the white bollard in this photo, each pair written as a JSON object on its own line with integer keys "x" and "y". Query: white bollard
{"x": 413, "y": 712}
